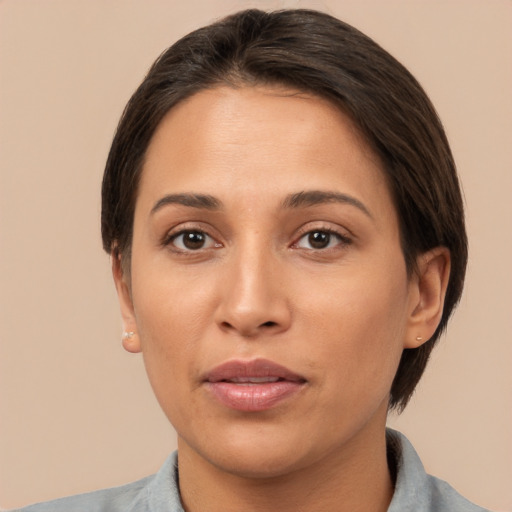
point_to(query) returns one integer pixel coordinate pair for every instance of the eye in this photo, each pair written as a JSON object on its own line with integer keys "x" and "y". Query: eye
{"x": 192, "y": 240}
{"x": 321, "y": 239}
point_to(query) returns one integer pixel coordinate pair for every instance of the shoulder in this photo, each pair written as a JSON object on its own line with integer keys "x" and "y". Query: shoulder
{"x": 444, "y": 497}
{"x": 113, "y": 499}
{"x": 158, "y": 492}
{"x": 417, "y": 491}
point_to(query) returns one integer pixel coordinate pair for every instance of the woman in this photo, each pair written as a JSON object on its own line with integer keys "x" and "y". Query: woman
{"x": 288, "y": 243}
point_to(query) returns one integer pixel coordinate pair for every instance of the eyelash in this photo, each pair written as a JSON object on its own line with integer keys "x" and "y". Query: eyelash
{"x": 343, "y": 240}
{"x": 170, "y": 240}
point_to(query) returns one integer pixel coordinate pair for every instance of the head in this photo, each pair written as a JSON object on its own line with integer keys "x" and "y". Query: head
{"x": 313, "y": 53}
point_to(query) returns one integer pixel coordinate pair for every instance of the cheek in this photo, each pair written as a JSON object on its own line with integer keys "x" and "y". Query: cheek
{"x": 168, "y": 329}
{"x": 169, "y": 302}
{"x": 359, "y": 325}
{"x": 174, "y": 310}
{"x": 170, "y": 314}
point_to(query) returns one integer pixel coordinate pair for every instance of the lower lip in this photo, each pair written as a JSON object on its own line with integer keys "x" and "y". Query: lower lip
{"x": 253, "y": 397}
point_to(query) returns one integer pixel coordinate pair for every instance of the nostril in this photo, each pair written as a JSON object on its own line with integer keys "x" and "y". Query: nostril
{"x": 249, "y": 330}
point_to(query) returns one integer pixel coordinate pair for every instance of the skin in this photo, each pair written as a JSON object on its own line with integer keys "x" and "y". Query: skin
{"x": 339, "y": 316}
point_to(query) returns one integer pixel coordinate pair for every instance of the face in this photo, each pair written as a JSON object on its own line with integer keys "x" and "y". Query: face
{"x": 268, "y": 289}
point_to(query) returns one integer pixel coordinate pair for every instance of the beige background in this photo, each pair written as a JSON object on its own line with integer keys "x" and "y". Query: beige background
{"x": 76, "y": 412}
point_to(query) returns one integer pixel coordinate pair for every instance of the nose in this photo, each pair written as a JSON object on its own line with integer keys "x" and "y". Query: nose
{"x": 254, "y": 299}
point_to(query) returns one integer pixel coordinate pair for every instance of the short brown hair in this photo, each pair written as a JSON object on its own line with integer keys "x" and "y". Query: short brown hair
{"x": 317, "y": 53}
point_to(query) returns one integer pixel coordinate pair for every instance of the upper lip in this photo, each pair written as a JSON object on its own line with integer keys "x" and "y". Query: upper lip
{"x": 255, "y": 368}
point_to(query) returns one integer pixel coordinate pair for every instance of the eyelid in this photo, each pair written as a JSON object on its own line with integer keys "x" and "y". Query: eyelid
{"x": 187, "y": 227}
{"x": 207, "y": 245}
{"x": 344, "y": 235}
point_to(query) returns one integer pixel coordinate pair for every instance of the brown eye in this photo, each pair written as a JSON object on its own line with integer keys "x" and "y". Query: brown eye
{"x": 192, "y": 240}
{"x": 321, "y": 239}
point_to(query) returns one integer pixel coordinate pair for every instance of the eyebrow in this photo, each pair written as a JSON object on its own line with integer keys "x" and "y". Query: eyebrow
{"x": 202, "y": 201}
{"x": 318, "y": 197}
{"x": 301, "y": 199}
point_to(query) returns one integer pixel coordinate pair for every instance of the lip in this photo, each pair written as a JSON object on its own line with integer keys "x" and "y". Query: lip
{"x": 252, "y": 386}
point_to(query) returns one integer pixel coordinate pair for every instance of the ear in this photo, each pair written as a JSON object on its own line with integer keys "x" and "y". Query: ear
{"x": 130, "y": 340}
{"x": 428, "y": 291}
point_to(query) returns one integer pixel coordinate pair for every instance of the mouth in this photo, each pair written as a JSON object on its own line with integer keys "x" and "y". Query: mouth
{"x": 252, "y": 386}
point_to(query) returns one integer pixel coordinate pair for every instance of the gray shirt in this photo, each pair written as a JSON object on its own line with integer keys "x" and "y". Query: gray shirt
{"x": 415, "y": 491}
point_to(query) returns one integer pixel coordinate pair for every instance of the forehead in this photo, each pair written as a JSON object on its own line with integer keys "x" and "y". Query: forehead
{"x": 258, "y": 138}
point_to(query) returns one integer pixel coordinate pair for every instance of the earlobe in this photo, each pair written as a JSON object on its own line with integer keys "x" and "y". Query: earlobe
{"x": 130, "y": 342}
{"x": 130, "y": 338}
{"x": 430, "y": 284}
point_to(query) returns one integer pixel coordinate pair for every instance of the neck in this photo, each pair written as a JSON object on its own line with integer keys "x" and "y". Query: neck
{"x": 355, "y": 479}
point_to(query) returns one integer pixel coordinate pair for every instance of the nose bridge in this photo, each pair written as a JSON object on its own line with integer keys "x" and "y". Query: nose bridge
{"x": 253, "y": 299}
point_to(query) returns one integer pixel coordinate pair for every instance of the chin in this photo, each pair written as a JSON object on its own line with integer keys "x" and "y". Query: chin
{"x": 255, "y": 453}
{"x": 258, "y": 463}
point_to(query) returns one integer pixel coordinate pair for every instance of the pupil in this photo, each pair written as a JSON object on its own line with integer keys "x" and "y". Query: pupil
{"x": 193, "y": 239}
{"x": 319, "y": 239}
